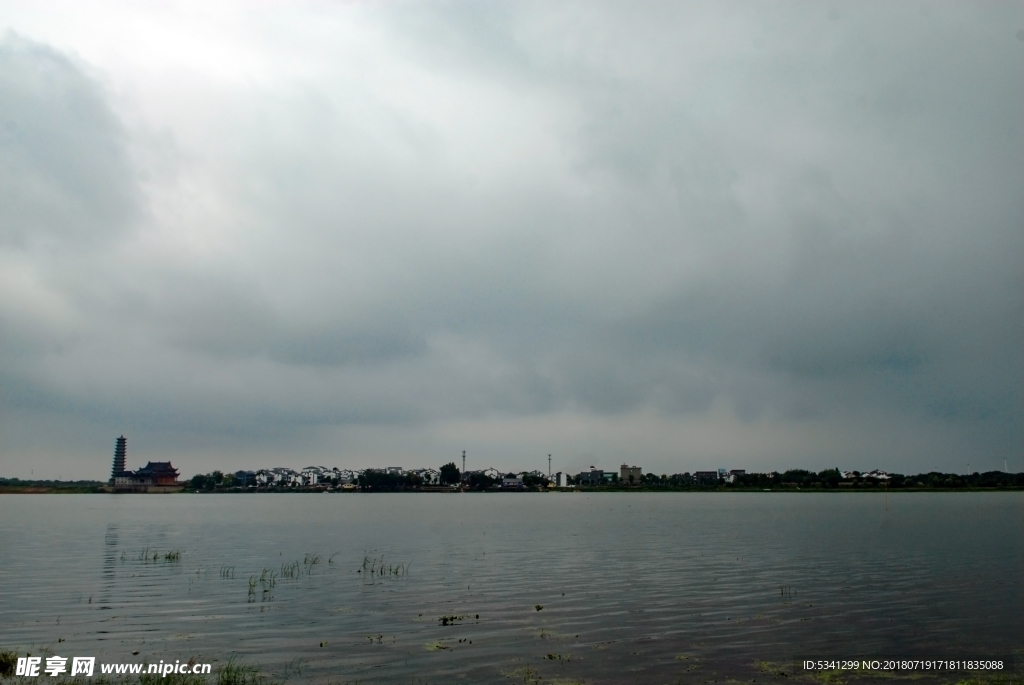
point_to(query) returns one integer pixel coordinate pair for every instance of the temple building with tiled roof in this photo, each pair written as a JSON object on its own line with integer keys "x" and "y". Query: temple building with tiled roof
{"x": 155, "y": 476}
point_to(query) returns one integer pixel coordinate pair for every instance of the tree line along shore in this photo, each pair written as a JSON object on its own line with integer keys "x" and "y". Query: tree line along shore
{"x": 374, "y": 480}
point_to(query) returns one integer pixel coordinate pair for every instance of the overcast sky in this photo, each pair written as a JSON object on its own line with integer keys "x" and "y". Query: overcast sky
{"x": 683, "y": 235}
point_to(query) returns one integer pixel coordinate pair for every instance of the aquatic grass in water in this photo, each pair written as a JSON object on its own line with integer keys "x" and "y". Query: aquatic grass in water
{"x": 452, "y": 619}
{"x": 311, "y": 560}
{"x": 232, "y": 673}
{"x": 141, "y": 679}
{"x": 148, "y": 555}
{"x": 528, "y": 675}
{"x": 7, "y": 663}
{"x": 266, "y": 580}
{"x": 170, "y": 679}
{"x": 237, "y": 673}
{"x": 376, "y": 567}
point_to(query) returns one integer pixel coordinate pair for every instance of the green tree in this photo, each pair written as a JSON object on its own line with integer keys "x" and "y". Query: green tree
{"x": 798, "y": 476}
{"x": 830, "y": 477}
{"x": 532, "y": 481}
{"x": 480, "y": 481}
{"x": 450, "y": 474}
{"x": 374, "y": 479}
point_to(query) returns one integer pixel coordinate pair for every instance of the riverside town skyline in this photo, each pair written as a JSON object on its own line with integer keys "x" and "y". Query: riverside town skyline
{"x": 162, "y": 478}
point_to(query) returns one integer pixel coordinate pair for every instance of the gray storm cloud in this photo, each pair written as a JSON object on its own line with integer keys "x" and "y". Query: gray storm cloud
{"x": 685, "y": 235}
{"x": 66, "y": 177}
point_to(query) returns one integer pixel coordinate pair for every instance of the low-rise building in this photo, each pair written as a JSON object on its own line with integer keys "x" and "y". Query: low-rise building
{"x": 278, "y": 477}
{"x": 155, "y": 476}
{"x": 313, "y": 475}
{"x": 594, "y": 476}
{"x": 734, "y": 474}
{"x": 630, "y": 474}
{"x": 706, "y": 477}
{"x": 428, "y": 476}
{"x": 512, "y": 482}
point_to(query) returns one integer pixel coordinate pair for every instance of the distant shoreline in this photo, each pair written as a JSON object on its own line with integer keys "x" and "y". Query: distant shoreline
{"x": 100, "y": 489}
{"x": 51, "y": 489}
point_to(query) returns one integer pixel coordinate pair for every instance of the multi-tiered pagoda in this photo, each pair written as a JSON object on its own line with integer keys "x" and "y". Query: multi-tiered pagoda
{"x": 155, "y": 476}
{"x": 120, "y": 454}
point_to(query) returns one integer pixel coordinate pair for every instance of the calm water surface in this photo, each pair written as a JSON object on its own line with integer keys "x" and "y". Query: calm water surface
{"x": 638, "y": 588}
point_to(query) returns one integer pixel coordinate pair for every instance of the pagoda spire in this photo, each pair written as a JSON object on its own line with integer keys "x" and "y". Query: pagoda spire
{"x": 120, "y": 454}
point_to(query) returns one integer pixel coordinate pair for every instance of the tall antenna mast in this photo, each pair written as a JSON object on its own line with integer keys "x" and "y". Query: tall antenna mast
{"x": 549, "y": 467}
{"x": 463, "y": 461}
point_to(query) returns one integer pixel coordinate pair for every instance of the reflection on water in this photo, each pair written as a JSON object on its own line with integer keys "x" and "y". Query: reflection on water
{"x": 110, "y": 554}
{"x": 481, "y": 587}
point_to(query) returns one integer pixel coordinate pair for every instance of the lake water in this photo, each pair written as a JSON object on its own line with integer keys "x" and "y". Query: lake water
{"x": 633, "y": 587}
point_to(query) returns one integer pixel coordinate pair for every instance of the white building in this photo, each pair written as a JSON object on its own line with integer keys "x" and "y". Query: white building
{"x": 278, "y": 477}
{"x": 312, "y": 475}
{"x": 428, "y": 476}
